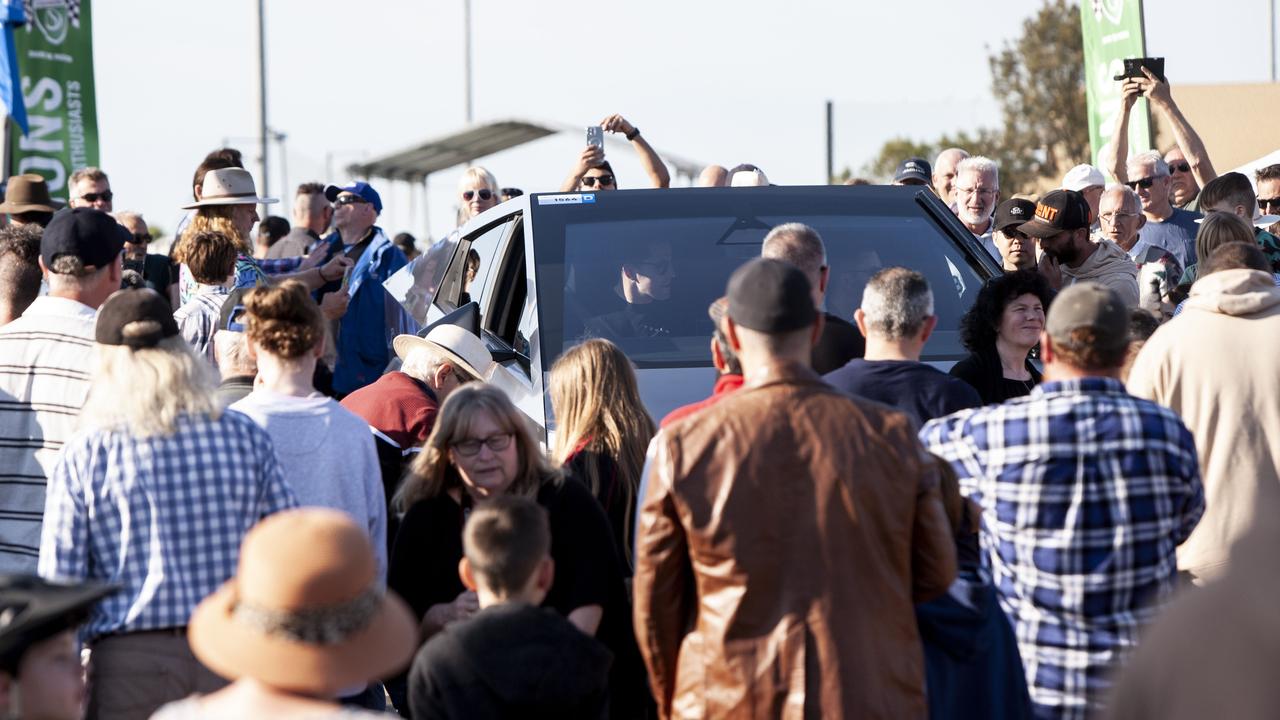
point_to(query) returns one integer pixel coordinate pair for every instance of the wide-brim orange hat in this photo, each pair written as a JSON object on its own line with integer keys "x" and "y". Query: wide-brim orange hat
{"x": 304, "y": 612}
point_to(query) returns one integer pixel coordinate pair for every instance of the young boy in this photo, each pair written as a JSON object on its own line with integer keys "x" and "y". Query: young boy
{"x": 513, "y": 658}
{"x": 211, "y": 258}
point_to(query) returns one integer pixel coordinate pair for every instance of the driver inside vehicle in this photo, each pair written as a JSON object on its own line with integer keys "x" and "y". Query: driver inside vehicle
{"x": 637, "y": 304}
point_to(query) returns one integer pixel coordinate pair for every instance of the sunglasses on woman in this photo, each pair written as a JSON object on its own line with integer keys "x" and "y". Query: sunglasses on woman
{"x": 484, "y": 193}
{"x": 496, "y": 443}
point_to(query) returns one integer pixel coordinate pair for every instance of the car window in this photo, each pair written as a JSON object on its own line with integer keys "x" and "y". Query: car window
{"x": 645, "y": 282}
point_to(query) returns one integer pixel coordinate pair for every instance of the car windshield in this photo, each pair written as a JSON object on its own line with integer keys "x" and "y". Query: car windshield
{"x": 642, "y": 274}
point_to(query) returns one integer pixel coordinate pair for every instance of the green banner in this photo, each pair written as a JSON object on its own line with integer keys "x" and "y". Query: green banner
{"x": 1112, "y": 31}
{"x": 55, "y": 60}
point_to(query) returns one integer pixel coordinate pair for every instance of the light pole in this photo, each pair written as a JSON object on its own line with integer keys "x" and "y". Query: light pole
{"x": 466, "y": 51}
{"x": 260, "y": 22}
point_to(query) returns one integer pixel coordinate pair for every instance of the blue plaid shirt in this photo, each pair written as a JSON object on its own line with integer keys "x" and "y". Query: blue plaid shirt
{"x": 162, "y": 517}
{"x": 1086, "y": 492}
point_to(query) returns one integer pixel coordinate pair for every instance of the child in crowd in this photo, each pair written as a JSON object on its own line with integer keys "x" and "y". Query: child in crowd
{"x": 513, "y": 658}
{"x": 211, "y": 258}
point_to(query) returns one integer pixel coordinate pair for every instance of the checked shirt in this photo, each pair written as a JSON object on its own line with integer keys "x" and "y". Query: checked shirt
{"x": 162, "y": 516}
{"x": 1086, "y": 493}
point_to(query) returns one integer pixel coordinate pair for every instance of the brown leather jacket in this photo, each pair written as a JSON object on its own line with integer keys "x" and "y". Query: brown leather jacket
{"x": 785, "y": 536}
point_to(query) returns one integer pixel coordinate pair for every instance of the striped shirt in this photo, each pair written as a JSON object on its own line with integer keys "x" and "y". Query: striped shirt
{"x": 45, "y": 358}
{"x": 162, "y": 517}
{"x": 198, "y": 318}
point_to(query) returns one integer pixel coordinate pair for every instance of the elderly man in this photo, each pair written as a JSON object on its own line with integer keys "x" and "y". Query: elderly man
{"x": 363, "y": 336}
{"x": 1167, "y": 226}
{"x": 45, "y": 378}
{"x": 1188, "y": 161}
{"x": 897, "y": 319}
{"x": 1061, "y": 226}
{"x": 1017, "y": 251}
{"x": 737, "y": 609}
{"x": 1079, "y": 530}
{"x": 1206, "y": 365}
{"x": 311, "y": 215}
{"x": 1120, "y": 221}
{"x": 977, "y": 188}
{"x": 401, "y": 407}
{"x": 155, "y": 269}
{"x": 90, "y": 188}
{"x": 944, "y": 173}
{"x": 802, "y": 246}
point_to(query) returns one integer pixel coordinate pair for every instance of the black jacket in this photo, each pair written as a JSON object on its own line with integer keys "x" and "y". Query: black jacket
{"x": 511, "y": 661}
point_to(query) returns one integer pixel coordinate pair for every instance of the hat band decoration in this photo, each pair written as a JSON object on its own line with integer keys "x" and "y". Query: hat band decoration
{"x": 219, "y": 196}
{"x": 316, "y": 626}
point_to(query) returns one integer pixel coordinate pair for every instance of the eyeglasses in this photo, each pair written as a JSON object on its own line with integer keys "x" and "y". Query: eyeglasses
{"x": 1013, "y": 233}
{"x": 1144, "y": 183}
{"x": 484, "y": 193}
{"x": 104, "y": 196}
{"x": 980, "y": 191}
{"x": 1269, "y": 203}
{"x": 496, "y": 443}
{"x": 1113, "y": 218}
{"x": 350, "y": 200}
{"x": 141, "y": 238}
{"x": 1180, "y": 167}
{"x": 590, "y": 180}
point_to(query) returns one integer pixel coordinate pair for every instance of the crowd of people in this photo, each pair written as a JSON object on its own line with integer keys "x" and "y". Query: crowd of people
{"x": 233, "y": 477}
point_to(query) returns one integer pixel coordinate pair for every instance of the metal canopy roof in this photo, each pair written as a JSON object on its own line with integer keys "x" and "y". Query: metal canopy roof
{"x": 477, "y": 141}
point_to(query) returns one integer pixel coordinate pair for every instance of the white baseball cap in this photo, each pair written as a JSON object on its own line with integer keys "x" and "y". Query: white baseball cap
{"x": 1083, "y": 176}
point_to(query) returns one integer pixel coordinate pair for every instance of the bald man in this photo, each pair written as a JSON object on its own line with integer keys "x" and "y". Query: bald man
{"x": 944, "y": 173}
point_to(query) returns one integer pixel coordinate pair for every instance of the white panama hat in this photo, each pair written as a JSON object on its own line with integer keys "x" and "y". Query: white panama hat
{"x": 228, "y": 186}
{"x": 455, "y": 343}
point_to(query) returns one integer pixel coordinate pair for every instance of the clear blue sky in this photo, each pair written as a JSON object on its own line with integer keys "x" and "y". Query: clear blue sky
{"x": 716, "y": 81}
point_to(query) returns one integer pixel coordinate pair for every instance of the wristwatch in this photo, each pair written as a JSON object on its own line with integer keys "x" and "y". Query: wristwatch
{"x": 635, "y": 133}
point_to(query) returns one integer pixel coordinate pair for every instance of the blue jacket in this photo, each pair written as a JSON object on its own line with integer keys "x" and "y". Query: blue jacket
{"x": 373, "y": 319}
{"x": 972, "y": 665}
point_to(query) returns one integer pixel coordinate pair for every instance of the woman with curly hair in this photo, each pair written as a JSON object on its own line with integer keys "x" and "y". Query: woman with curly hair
{"x": 602, "y": 429}
{"x": 1000, "y": 331}
{"x": 327, "y": 453}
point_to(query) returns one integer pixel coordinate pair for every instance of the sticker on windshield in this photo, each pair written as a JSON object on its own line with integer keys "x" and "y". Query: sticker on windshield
{"x": 567, "y": 199}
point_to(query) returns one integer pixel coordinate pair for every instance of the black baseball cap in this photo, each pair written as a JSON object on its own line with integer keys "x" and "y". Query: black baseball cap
{"x": 770, "y": 296}
{"x": 1058, "y": 211}
{"x": 91, "y": 235}
{"x": 138, "y": 318}
{"x": 1014, "y": 211}
{"x": 914, "y": 169}
{"x": 33, "y": 609}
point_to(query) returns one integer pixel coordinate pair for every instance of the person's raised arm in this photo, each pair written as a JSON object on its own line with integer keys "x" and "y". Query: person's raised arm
{"x": 1115, "y": 153}
{"x": 590, "y": 157}
{"x": 653, "y": 165}
{"x": 1183, "y": 134}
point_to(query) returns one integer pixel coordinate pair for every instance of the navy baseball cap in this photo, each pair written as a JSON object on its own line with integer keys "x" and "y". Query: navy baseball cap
{"x": 91, "y": 235}
{"x": 916, "y": 170}
{"x": 358, "y": 187}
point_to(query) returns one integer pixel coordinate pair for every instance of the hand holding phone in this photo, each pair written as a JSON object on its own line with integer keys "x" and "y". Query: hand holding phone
{"x": 1133, "y": 68}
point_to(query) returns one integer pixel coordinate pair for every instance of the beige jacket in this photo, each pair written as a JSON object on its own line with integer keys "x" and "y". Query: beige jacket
{"x": 1215, "y": 365}
{"x": 785, "y": 537}
{"x": 1110, "y": 266}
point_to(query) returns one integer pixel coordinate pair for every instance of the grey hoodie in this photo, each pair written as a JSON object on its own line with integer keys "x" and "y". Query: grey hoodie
{"x": 1110, "y": 266}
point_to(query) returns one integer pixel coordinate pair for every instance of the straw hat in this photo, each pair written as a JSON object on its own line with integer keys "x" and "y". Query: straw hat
{"x": 228, "y": 186}
{"x": 27, "y": 193}
{"x": 304, "y": 612}
{"x": 455, "y": 343}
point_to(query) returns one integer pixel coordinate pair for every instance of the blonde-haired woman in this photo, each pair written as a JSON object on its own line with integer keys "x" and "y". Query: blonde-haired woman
{"x": 477, "y": 192}
{"x": 153, "y": 495}
{"x": 328, "y": 456}
{"x": 602, "y": 429}
{"x": 481, "y": 448}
